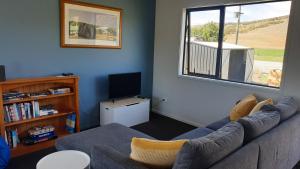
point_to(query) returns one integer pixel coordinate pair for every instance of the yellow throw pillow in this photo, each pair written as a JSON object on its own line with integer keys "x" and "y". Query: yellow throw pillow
{"x": 243, "y": 108}
{"x": 260, "y": 105}
{"x": 154, "y": 153}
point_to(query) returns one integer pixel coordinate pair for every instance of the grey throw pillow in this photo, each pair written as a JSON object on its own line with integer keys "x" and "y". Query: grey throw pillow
{"x": 258, "y": 123}
{"x": 287, "y": 106}
{"x": 202, "y": 152}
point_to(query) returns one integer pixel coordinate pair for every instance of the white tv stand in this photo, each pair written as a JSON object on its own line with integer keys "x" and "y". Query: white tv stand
{"x": 129, "y": 111}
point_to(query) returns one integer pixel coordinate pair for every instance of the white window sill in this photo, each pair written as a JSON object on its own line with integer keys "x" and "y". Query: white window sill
{"x": 232, "y": 84}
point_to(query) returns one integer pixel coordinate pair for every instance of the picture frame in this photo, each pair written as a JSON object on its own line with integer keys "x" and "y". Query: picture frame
{"x": 84, "y": 25}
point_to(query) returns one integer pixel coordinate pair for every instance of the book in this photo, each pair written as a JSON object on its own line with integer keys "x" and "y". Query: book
{"x": 47, "y": 112}
{"x": 14, "y": 138}
{"x": 5, "y": 137}
{"x": 37, "y": 109}
{"x": 60, "y": 90}
{"x": 22, "y": 109}
{"x": 6, "y": 114}
{"x": 9, "y": 139}
{"x": 27, "y": 110}
{"x": 70, "y": 123}
{"x": 13, "y": 113}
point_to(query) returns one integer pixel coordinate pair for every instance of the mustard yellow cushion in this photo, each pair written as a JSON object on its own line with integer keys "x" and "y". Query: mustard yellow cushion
{"x": 243, "y": 108}
{"x": 154, "y": 153}
{"x": 260, "y": 105}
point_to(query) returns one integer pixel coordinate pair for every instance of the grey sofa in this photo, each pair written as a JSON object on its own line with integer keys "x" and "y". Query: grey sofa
{"x": 263, "y": 141}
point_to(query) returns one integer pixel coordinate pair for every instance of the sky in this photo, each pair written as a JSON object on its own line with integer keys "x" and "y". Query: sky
{"x": 97, "y": 19}
{"x": 250, "y": 13}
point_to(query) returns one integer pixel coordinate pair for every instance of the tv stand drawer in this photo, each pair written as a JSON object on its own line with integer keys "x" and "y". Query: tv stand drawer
{"x": 127, "y": 114}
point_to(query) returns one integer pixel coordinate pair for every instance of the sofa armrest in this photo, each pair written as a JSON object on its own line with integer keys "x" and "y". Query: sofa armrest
{"x": 219, "y": 124}
{"x": 105, "y": 157}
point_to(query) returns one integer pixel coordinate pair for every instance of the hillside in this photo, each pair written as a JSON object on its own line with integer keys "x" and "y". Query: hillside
{"x": 264, "y": 34}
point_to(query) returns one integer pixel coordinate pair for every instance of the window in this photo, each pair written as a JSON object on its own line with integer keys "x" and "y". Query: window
{"x": 240, "y": 43}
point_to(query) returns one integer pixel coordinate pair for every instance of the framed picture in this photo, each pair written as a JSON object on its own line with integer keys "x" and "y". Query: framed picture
{"x": 86, "y": 25}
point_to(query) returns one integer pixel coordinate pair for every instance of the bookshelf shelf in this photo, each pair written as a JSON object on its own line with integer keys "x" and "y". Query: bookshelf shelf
{"x": 65, "y": 104}
{"x": 37, "y": 98}
{"x": 37, "y": 119}
{"x": 24, "y": 149}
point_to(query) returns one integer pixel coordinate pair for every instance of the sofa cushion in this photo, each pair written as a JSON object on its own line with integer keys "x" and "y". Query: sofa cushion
{"x": 196, "y": 133}
{"x": 279, "y": 148}
{"x": 287, "y": 106}
{"x": 243, "y": 108}
{"x": 244, "y": 158}
{"x": 260, "y": 105}
{"x": 203, "y": 152}
{"x": 269, "y": 108}
{"x": 219, "y": 124}
{"x": 116, "y": 136}
{"x": 155, "y": 153}
{"x": 103, "y": 157}
{"x": 258, "y": 124}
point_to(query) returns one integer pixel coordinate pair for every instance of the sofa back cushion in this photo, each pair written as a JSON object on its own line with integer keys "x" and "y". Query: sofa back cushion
{"x": 203, "y": 152}
{"x": 196, "y": 133}
{"x": 259, "y": 123}
{"x": 287, "y": 106}
{"x": 219, "y": 124}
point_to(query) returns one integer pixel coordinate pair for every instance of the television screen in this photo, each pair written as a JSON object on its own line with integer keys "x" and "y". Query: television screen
{"x": 124, "y": 85}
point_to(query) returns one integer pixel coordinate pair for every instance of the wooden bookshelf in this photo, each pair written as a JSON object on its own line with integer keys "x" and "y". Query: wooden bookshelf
{"x": 66, "y": 104}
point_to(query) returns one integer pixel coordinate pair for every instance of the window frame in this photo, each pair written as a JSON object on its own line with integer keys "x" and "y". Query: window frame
{"x": 186, "y": 42}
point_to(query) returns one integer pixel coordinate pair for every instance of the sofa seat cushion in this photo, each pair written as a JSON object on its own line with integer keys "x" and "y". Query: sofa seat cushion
{"x": 116, "y": 136}
{"x": 104, "y": 157}
{"x": 203, "y": 152}
{"x": 196, "y": 133}
{"x": 219, "y": 124}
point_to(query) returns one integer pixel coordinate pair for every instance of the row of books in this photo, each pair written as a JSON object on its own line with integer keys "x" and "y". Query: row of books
{"x": 19, "y": 95}
{"x": 12, "y": 138}
{"x": 13, "y": 96}
{"x": 24, "y": 111}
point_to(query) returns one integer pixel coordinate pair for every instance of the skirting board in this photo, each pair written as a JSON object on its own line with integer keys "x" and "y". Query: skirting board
{"x": 177, "y": 118}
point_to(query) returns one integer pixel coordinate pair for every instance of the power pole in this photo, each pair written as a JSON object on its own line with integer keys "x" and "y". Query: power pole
{"x": 238, "y": 16}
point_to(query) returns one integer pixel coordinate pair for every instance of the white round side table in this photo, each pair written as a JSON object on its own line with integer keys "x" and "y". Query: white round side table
{"x": 65, "y": 160}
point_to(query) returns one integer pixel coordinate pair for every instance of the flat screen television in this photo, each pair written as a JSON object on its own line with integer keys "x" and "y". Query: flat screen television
{"x": 124, "y": 85}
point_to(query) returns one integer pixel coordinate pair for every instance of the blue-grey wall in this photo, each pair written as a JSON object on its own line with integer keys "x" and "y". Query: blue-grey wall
{"x": 30, "y": 47}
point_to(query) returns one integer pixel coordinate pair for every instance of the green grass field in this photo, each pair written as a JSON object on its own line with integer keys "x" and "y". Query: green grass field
{"x": 271, "y": 55}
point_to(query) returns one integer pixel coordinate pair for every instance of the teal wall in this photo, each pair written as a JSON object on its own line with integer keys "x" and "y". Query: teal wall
{"x": 30, "y": 47}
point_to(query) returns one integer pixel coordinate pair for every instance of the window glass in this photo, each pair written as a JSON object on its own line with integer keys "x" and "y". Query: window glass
{"x": 253, "y": 36}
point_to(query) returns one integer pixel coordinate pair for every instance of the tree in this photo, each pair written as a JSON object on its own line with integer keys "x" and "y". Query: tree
{"x": 208, "y": 32}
